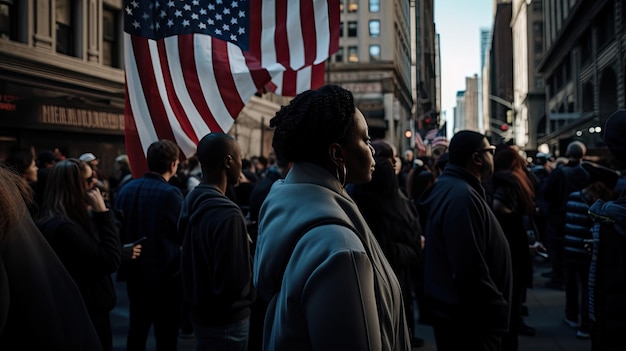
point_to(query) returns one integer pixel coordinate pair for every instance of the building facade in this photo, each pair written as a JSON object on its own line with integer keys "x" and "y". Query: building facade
{"x": 374, "y": 62}
{"x": 584, "y": 69}
{"x": 529, "y": 96}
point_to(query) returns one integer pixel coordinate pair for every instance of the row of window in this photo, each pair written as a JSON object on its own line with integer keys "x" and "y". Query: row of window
{"x": 67, "y": 28}
{"x": 353, "y": 54}
{"x": 353, "y": 6}
{"x": 374, "y": 28}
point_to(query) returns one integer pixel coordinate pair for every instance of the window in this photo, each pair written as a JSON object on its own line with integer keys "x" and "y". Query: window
{"x": 341, "y": 5}
{"x": 374, "y": 52}
{"x": 339, "y": 55}
{"x": 7, "y": 19}
{"x": 537, "y": 6}
{"x": 110, "y": 38}
{"x": 374, "y": 28}
{"x": 341, "y": 29}
{"x": 64, "y": 27}
{"x": 352, "y": 26}
{"x": 353, "y": 55}
{"x": 374, "y": 5}
{"x": 353, "y": 6}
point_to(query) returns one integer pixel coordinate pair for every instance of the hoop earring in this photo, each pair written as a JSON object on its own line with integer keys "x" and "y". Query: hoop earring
{"x": 343, "y": 176}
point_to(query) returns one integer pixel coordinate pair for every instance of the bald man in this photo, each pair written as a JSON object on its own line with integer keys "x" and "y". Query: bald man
{"x": 216, "y": 264}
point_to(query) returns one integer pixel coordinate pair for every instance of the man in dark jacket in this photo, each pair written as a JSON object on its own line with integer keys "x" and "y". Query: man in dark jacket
{"x": 150, "y": 207}
{"x": 216, "y": 264}
{"x": 467, "y": 260}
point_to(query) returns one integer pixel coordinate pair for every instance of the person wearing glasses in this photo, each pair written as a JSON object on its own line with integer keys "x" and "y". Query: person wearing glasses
{"x": 81, "y": 230}
{"x": 467, "y": 261}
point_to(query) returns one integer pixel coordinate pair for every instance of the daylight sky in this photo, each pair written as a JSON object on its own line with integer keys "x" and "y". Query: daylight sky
{"x": 458, "y": 23}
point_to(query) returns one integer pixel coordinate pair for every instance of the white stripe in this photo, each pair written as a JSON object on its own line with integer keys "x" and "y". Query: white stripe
{"x": 303, "y": 81}
{"x": 141, "y": 113}
{"x": 295, "y": 36}
{"x": 208, "y": 82}
{"x": 268, "y": 29}
{"x": 200, "y": 128}
{"x": 278, "y": 81}
{"x": 322, "y": 30}
{"x": 181, "y": 138}
{"x": 241, "y": 73}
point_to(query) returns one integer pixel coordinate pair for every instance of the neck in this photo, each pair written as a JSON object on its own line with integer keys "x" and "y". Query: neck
{"x": 221, "y": 184}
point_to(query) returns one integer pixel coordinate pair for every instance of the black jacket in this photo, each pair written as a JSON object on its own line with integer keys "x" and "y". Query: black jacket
{"x": 89, "y": 257}
{"x": 216, "y": 265}
{"x": 467, "y": 262}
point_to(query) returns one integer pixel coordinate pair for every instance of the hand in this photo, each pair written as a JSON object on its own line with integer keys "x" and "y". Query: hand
{"x": 95, "y": 200}
{"x": 131, "y": 252}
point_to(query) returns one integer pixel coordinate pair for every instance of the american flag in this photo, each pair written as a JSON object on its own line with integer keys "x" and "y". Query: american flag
{"x": 192, "y": 65}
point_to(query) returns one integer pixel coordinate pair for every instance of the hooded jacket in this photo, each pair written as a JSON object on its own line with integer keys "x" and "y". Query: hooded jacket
{"x": 329, "y": 285}
{"x": 216, "y": 265}
{"x": 607, "y": 275}
{"x": 467, "y": 260}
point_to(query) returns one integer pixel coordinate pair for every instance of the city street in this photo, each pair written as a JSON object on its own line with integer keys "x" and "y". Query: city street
{"x": 545, "y": 314}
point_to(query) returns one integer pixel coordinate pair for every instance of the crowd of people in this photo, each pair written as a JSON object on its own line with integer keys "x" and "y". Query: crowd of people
{"x": 334, "y": 242}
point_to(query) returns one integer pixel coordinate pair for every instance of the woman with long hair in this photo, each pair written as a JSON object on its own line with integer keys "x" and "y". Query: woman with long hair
{"x": 513, "y": 200}
{"x": 40, "y": 306}
{"x": 81, "y": 230}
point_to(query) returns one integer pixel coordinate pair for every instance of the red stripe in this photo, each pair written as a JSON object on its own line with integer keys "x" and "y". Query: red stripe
{"x": 309, "y": 32}
{"x": 260, "y": 76}
{"x": 224, "y": 78}
{"x": 192, "y": 81}
{"x": 280, "y": 36}
{"x": 149, "y": 86}
{"x": 254, "y": 32}
{"x": 134, "y": 150}
{"x": 335, "y": 20}
{"x": 318, "y": 75}
{"x": 290, "y": 80}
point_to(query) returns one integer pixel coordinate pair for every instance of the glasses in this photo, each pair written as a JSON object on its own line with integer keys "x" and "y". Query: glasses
{"x": 490, "y": 149}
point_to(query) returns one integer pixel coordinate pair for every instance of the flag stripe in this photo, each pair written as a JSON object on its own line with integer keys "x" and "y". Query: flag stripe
{"x": 294, "y": 52}
{"x": 311, "y": 38}
{"x": 334, "y": 18}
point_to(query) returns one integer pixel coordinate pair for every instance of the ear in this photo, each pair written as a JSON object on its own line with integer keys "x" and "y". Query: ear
{"x": 477, "y": 159}
{"x": 228, "y": 159}
{"x": 335, "y": 152}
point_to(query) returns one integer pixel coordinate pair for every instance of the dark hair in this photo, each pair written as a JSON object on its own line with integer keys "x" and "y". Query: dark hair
{"x": 66, "y": 193}
{"x": 45, "y": 157}
{"x": 382, "y": 149}
{"x": 161, "y": 154}
{"x": 19, "y": 161}
{"x": 311, "y": 122}
{"x": 463, "y": 145}
{"x": 212, "y": 149}
{"x": 576, "y": 149}
{"x": 510, "y": 163}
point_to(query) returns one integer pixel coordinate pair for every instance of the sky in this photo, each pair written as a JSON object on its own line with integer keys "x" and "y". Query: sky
{"x": 458, "y": 23}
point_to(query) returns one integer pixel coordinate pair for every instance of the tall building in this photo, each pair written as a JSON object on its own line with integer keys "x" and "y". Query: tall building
{"x": 374, "y": 62}
{"x": 459, "y": 112}
{"x": 500, "y": 92}
{"x": 471, "y": 102}
{"x": 529, "y": 97}
{"x": 584, "y": 69}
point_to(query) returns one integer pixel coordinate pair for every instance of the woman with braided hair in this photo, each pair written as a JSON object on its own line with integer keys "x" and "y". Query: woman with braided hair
{"x": 317, "y": 264}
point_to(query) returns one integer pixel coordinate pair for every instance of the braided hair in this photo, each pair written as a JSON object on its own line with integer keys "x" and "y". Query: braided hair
{"x": 311, "y": 122}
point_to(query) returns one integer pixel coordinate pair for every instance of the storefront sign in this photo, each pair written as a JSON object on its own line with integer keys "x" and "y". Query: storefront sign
{"x": 7, "y": 102}
{"x": 75, "y": 117}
